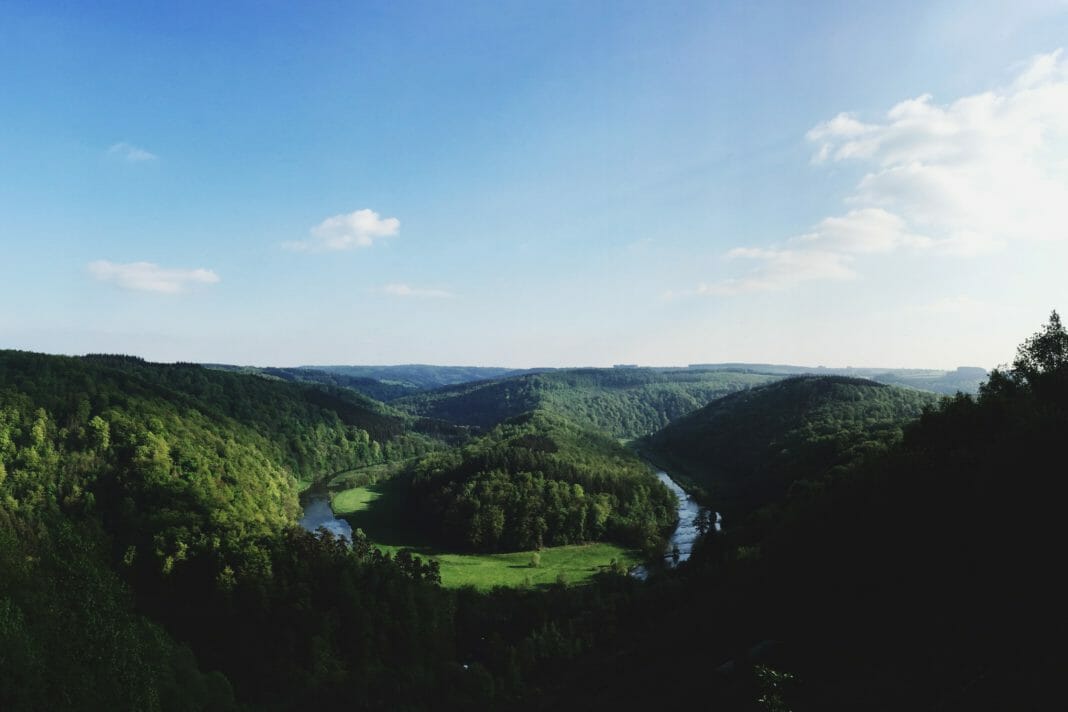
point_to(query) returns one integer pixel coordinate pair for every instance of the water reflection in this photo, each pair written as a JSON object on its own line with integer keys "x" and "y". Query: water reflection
{"x": 688, "y": 530}
{"x": 317, "y": 513}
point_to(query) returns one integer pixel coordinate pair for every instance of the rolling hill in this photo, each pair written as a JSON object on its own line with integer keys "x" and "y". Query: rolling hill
{"x": 745, "y": 449}
{"x": 539, "y": 480}
{"x": 622, "y": 402}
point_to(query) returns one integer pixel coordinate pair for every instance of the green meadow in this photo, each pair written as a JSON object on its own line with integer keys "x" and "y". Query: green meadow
{"x": 373, "y": 509}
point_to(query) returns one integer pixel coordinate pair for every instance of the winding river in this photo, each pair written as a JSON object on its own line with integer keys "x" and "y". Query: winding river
{"x": 318, "y": 514}
{"x": 687, "y": 532}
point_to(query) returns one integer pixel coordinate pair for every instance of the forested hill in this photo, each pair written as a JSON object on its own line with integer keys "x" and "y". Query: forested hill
{"x": 312, "y": 429}
{"x": 197, "y": 448}
{"x": 175, "y": 486}
{"x": 964, "y": 379}
{"x": 623, "y": 402}
{"x": 371, "y": 387}
{"x": 540, "y": 480}
{"x": 745, "y": 449}
{"x": 419, "y": 376}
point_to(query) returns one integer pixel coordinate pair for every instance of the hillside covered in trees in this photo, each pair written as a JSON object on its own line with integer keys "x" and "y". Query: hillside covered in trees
{"x": 745, "y": 449}
{"x": 170, "y": 479}
{"x": 418, "y": 376}
{"x": 623, "y": 402}
{"x": 539, "y": 480}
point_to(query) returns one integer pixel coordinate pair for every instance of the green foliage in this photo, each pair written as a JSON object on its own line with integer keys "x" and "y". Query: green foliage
{"x": 541, "y": 481}
{"x": 579, "y": 563}
{"x": 624, "y": 403}
{"x": 142, "y": 504}
{"x": 175, "y": 479}
{"x": 69, "y": 637}
{"x": 1044, "y": 353}
{"x": 374, "y": 388}
{"x": 416, "y": 376}
{"x": 746, "y": 449}
{"x": 770, "y": 683}
{"x": 922, "y": 576}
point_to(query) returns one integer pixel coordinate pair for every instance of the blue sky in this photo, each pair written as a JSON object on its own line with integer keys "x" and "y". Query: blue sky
{"x": 580, "y": 183}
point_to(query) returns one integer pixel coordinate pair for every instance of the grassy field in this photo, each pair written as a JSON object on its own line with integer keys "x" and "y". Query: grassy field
{"x": 350, "y": 501}
{"x": 374, "y": 510}
{"x": 568, "y": 564}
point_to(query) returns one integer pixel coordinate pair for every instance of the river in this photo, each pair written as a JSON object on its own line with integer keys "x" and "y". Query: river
{"x": 317, "y": 513}
{"x": 687, "y": 532}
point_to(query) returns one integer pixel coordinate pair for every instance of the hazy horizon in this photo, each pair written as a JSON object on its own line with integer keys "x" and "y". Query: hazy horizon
{"x": 533, "y": 367}
{"x": 534, "y": 184}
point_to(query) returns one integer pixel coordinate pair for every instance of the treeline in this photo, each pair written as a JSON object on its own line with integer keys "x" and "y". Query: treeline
{"x": 313, "y": 430}
{"x": 537, "y": 481}
{"x": 622, "y": 402}
{"x": 747, "y": 449}
{"x": 419, "y": 376}
{"x": 370, "y": 387}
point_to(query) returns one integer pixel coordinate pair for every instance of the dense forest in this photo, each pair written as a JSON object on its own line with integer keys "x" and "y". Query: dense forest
{"x": 379, "y": 390}
{"x": 419, "y": 376}
{"x": 918, "y": 579}
{"x": 149, "y": 558}
{"x": 747, "y": 448}
{"x": 963, "y": 379}
{"x": 623, "y": 402}
{"x": 539, "y": 480}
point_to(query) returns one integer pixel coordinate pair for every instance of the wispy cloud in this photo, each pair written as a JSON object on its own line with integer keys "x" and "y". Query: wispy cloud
{"x": 347, "y": 231}
{"x": 779, "y": 269}
{"x": 131, "y": 153}
{"x": 149, "y": 277}
{"x": 964, "y": 178}
{"x": 404, "y": 290}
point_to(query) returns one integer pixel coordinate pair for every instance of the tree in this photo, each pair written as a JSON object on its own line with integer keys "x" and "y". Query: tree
{"x": 1046, "y": 352}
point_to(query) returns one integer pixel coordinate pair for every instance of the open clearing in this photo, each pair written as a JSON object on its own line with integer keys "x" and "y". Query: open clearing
{"x": 374, "y": 510}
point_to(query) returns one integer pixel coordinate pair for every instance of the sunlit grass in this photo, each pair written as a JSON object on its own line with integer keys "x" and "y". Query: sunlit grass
{"x": 374, "y": 510}
{"x": 568, "y": 564}
{"x": 353, "y": 500}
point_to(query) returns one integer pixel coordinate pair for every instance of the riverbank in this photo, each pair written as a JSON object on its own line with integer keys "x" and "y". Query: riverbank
{"x": 374, "y": 509}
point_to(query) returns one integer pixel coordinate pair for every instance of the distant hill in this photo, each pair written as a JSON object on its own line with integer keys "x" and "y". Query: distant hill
{"x": 623, "y": 402}
{"x": 965, "y": 379}
{"x": 419, "y": 376}
{"x": 745, "y": 449}
{"x": 371, "y": 387}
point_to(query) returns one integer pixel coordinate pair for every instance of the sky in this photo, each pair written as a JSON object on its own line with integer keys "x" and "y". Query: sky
{"x": 534, "y": 183}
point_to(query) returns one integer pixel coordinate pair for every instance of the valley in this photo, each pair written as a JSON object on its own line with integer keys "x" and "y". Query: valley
{"x": 257, "y": 540}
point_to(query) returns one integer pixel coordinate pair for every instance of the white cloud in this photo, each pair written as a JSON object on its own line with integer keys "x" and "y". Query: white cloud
{"x": 865, "y": 230}
{"x": 131, "y": 153}
{"x": 780, "y": 269}
{"x": 344, "y": 232}
{"x": 404, "y": 290}
{"x": 150, "y": 277}
{"x": 964, "y": 178}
